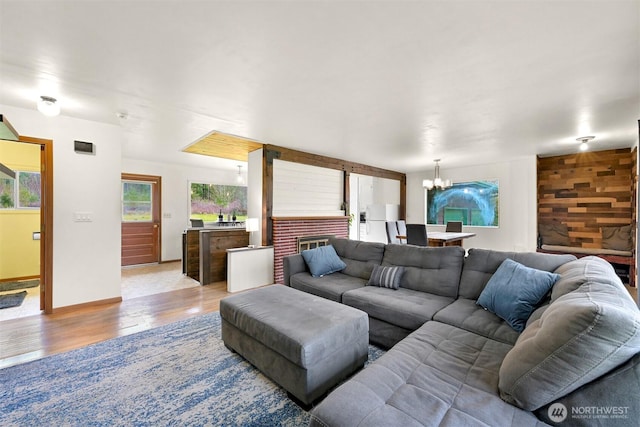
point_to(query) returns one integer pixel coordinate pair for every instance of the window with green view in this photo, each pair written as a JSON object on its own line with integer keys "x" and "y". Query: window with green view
{"x": 209, "y": 201}
{"x": 136, "y": 201}
{"x": 23, "y": 192}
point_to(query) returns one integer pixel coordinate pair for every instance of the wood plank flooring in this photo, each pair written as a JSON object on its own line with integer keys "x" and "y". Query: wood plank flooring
{"x": 34, "y": 337}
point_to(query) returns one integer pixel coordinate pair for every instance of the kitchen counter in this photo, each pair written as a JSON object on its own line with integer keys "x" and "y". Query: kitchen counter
{"x": 204, "y": 251}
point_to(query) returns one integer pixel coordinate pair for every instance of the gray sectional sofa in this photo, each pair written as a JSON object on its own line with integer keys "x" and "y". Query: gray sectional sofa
{"x": 452, "y": 363}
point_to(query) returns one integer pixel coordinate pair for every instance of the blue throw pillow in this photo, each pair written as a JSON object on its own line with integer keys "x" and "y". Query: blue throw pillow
{"x": 386, "y": 277}
{"x": 323, "y": 260}
{"x": 514, "y": 290}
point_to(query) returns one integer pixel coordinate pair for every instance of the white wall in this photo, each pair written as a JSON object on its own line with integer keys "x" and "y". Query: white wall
{"x": 304, "y": 190}
{"x": 376, "y": 190}
{"x": 518, "y": 212}
{"x": 86, "y": 255}
{"x": 175, "y": 196}
{"x": 386, "y": 191}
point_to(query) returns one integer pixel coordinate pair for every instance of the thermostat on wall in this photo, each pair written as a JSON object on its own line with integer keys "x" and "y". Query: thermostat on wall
{"x": 83, "y": 147}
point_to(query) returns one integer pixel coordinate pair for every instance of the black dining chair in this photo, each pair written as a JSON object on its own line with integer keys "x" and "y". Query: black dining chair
{"x": 417, "y": 235}
{"x": 454, "y": 227}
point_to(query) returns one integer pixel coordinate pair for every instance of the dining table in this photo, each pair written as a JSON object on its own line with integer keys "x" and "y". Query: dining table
{"x": 444, "y": 238}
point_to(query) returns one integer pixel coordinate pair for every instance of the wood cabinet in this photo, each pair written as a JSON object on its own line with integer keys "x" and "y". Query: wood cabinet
{"x": 205, "y": 252}
{"x": 191, "y": 253}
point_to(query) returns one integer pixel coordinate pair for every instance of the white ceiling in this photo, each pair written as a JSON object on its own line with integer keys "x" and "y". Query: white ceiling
{"x": 391, "y": 84}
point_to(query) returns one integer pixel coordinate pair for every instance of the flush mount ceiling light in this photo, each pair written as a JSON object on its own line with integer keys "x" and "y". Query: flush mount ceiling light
{"x": 584, "y": 142}
{"x": 436, "y": 182}
{"x": 48, "y": 106}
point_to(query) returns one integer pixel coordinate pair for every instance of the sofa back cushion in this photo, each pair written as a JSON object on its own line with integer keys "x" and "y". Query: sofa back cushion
{"x": 580, "y": 271}
{"x": 360, "y": 257}
{"x": 581, "y": 336}
{"x": 618, "y": 238}
{"x": 427, "y": 269}
{"x": 615, "y": 394}
{"x": 554, "y": 234}
{"x": 480, "y": 265}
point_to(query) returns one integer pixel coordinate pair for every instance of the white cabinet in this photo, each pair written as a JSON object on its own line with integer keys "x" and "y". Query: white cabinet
{"x": 249, "y": 268}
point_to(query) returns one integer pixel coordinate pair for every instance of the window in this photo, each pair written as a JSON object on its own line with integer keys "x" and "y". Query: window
{"x": 7, "y": 193}
{"x": 28, "y": 189}
{"x": 474, "y": 203}
{"x": 211, "y": 202}
{"x": 136, "y": 201}
{"x": 22, "y": 192}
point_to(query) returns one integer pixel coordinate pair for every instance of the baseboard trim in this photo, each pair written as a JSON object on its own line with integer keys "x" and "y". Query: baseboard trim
{"x": 19, "y": 279}
{"x": 76, "y": 307}
{"x": 170, "y": 260}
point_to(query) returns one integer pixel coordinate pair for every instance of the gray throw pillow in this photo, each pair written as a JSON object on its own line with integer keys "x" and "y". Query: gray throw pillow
{"x": 554, "y": 233}
{"x": 386, "y": 277}
{"x": 617, "y": 238}
{"x": 582, "y": 335}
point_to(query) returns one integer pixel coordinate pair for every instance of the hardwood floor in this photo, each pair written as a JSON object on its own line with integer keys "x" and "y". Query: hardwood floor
{"x": 34, "y": 337}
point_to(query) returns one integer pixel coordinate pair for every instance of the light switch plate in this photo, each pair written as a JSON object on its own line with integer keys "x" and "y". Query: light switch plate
{"x": 83, "y": 216}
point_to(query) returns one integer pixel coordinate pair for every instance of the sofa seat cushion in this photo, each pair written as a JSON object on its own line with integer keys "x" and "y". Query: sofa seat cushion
{"x": 331, "y": 286}
{"x": 466, "y": 314}
{"x": 585, "y": 251}
{"x": 406, "y": 308}
{"x": 439, "y": 375}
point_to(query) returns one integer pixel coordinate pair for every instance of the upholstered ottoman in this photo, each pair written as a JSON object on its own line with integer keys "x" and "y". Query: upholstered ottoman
{"x": 306, "y": 344}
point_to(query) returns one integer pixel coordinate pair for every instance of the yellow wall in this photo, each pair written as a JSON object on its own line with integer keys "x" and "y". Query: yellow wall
{"x": 19, "y": 253}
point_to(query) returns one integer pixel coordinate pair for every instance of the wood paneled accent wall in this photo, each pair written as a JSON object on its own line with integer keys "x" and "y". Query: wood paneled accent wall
{"x": 587, "y": 191}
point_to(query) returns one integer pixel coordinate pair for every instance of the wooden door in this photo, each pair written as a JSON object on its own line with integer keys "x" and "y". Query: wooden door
{"x": 46, "y": 219}
{"x": 140, "y": 219}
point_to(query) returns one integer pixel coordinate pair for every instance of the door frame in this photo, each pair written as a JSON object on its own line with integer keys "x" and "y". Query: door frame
{"x": 156, "y": 200}
{"x": 46, "y": 220}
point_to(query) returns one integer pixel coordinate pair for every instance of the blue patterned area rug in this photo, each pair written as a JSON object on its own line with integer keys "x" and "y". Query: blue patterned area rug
{"x": 180, "y": 374}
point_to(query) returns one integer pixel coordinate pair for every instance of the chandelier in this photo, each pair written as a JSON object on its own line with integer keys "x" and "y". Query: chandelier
{"x": 436, "y": 182}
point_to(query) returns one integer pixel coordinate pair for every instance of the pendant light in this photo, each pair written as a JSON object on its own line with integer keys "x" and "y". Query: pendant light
{"x": 436, "y": 182}
{"x": 240, "y": 178}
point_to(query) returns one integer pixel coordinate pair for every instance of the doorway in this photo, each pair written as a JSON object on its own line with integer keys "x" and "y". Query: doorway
{"x": 141, "y": 213}
{"x": 26, "y": 189}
